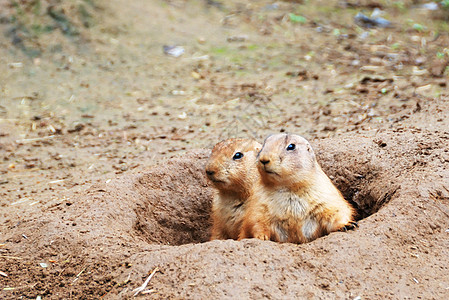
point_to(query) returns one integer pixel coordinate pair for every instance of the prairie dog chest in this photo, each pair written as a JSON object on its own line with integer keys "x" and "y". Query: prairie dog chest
{"x": 290, "y": 218}
{"x": 228, "y": 207}
{"x": 283, "y": 205}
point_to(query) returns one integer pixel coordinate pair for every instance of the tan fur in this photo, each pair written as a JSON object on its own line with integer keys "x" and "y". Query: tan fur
{"x": 232, "y": 180}
{"x": 294, "y": 200}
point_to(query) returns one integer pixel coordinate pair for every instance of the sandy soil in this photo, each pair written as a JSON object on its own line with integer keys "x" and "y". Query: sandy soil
{"x": 103, "y": 140}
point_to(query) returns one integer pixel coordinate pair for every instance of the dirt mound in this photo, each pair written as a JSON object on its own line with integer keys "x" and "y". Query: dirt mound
{"x": 88, "y": 94}
{"x": 107, "y": 240}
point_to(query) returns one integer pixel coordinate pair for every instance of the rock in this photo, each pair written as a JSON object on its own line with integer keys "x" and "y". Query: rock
{"x": 77, "y": 128}
{"x": 438, "y": 67}
{"x": 174, "y": 51}
{"x": 367, "y": 22}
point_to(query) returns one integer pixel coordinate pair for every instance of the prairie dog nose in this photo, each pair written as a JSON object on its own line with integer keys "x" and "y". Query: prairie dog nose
{"x": 210, "y": 172}
{"x": 264, "y": 161}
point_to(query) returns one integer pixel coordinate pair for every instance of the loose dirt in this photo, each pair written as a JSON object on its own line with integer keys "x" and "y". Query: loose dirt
{"x": 103, "y": 141}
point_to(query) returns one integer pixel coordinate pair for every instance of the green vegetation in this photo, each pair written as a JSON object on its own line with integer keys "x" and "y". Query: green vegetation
{"x": 396, "y": 46}
{"x": 237, "y": 55}
{"x": 418, "y": 27}
{"x": 400, "y": 6}
{"x": 297, "y": 18}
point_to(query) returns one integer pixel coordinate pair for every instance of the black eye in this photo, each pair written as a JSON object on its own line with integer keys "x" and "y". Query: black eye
{"x": 238, "y": 155}
{"x": 291, "y": 147}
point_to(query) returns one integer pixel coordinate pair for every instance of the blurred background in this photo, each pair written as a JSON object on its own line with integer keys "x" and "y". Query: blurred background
{"x": 90, "y": 88}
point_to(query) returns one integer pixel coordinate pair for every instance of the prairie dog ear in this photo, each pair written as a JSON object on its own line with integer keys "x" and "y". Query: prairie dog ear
{"x": 267, "y": 138}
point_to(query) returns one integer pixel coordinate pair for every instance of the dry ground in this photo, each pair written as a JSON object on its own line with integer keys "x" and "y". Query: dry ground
{"x": 102, "y": 140}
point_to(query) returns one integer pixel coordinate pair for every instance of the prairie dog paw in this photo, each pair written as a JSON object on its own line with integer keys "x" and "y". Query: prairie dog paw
{"x": 350, "y": 226}
{"x": 262, "y": 236}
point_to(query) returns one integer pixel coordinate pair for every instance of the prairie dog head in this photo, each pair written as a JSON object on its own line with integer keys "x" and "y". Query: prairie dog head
{"x": 232, "y": 165}
{"x": 286, "y": 160}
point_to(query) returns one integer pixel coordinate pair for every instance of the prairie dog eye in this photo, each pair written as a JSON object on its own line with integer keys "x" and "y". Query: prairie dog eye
{"x": 291, "y": 147}
{"x": 237, "y": 155}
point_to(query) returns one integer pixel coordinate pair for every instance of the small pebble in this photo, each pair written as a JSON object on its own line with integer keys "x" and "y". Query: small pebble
{"x": 237, "y": 38}
{"x": 174, "y": 51}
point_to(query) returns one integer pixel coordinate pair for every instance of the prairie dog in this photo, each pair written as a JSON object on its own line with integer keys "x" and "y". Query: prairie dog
{"x": 232, "y": 168}
{"x": 294, "y": 200}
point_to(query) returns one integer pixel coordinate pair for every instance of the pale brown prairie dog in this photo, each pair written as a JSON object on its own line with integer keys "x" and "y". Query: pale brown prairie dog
{"x": 294, "y": 200}
{"x": 232, "y": 168}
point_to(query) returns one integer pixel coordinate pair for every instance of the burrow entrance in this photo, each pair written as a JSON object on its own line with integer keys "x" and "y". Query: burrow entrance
{"x": 176, "y": 198}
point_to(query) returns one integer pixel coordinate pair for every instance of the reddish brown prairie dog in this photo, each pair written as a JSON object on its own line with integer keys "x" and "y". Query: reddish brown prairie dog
{"x": 232, "y": 168}
{"x": 294, "y": 201}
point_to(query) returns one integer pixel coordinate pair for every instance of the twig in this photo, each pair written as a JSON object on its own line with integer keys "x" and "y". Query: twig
{"x": 56, "y": 181}
{"x": 81, "y": 272}
{"x": 20, "y": 201}
{"x": 77, "y": 276}
{"x": 3, "y": 274}
{"x": 61, "y": 272}
{"x": 12, "y": 257}
{"x": 144, "y": 285}
{"x": 35, "y": 139}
